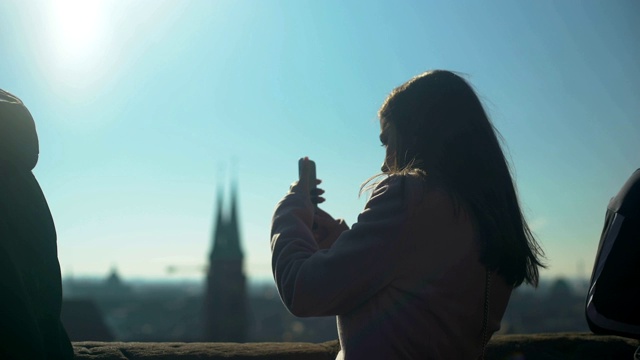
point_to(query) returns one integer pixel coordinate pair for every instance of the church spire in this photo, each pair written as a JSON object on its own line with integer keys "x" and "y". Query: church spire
{"x": 234, "y": 224}
{"x": 225, "y": 316}
{"x": 219, "y": 224}
{"x": 226, "y": 234}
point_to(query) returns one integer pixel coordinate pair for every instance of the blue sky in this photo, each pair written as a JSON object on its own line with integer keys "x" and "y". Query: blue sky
{"x": 144, "y": 108}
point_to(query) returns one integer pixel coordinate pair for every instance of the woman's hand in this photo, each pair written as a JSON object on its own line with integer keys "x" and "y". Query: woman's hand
{"x": 315, "y": 194}
{"x": 326, "y": 229}
{"x": 307, "y": 211}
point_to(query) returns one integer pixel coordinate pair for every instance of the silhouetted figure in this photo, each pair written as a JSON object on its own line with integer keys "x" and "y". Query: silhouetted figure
{"x": 30, "y": 283}
{"x": 428, "y": 269}
{"x": 225, "y": 298}
{"x": 613, "y": 302}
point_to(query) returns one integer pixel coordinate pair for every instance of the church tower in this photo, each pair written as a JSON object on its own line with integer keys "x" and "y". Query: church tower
{"x": 225, "y": 305}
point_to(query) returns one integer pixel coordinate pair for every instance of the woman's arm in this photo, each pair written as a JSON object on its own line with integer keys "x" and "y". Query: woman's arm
{"x": 315, "y": 282}
{"x": 326, "y": 229}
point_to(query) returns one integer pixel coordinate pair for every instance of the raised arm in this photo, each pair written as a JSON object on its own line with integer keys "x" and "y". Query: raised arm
{"x": 315, "y": 282}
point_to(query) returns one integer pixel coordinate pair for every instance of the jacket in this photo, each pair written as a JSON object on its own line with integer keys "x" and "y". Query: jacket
{"x": 405, "y": 282}
{"x": 30, "y": 280}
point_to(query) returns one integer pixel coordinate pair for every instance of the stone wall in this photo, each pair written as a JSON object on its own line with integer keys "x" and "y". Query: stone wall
{"x": 510, "y": 347}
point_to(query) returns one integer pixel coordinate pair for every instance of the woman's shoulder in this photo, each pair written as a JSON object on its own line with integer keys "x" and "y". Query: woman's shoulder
{"x": 416, "y": 188}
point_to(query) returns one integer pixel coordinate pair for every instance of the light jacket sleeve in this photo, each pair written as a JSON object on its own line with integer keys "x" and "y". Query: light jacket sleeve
{"x": 361, "y": 262}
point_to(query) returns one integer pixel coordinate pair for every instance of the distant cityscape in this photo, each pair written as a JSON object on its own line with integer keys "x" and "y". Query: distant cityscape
{"x": 222, "y": 307}
{"x": 225, "y": 307}
{"x": 112, "y": 309}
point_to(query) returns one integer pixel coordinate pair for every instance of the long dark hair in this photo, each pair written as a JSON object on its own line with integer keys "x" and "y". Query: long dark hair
{"x": 443, "y": 132}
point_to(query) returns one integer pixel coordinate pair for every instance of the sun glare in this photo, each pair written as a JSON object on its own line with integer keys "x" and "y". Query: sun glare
{"x": 77, "y": 39}
{"x": 77, "y": 23}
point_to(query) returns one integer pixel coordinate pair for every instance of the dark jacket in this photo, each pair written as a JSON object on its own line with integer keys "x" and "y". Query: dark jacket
{"x": 30, "y": 280}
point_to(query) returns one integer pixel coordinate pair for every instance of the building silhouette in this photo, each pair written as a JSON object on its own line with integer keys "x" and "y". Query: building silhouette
{"x": 225, "y": 303}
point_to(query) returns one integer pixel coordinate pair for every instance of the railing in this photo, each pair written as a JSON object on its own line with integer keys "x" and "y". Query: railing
{"x": 511, "y": 347}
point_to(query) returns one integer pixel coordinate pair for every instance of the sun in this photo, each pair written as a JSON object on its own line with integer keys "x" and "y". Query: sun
{"x": 76, "y": 23}
{"x": 77, "y": 37}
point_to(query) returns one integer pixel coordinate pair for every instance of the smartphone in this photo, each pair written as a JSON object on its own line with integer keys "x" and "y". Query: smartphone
{"x": 311, "y": 180}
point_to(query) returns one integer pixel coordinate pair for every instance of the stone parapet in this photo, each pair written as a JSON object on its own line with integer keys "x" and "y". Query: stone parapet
{"x": 581, "y": 346}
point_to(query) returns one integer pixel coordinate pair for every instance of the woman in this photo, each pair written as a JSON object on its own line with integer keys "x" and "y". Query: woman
{"x": 428, "y": 269}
